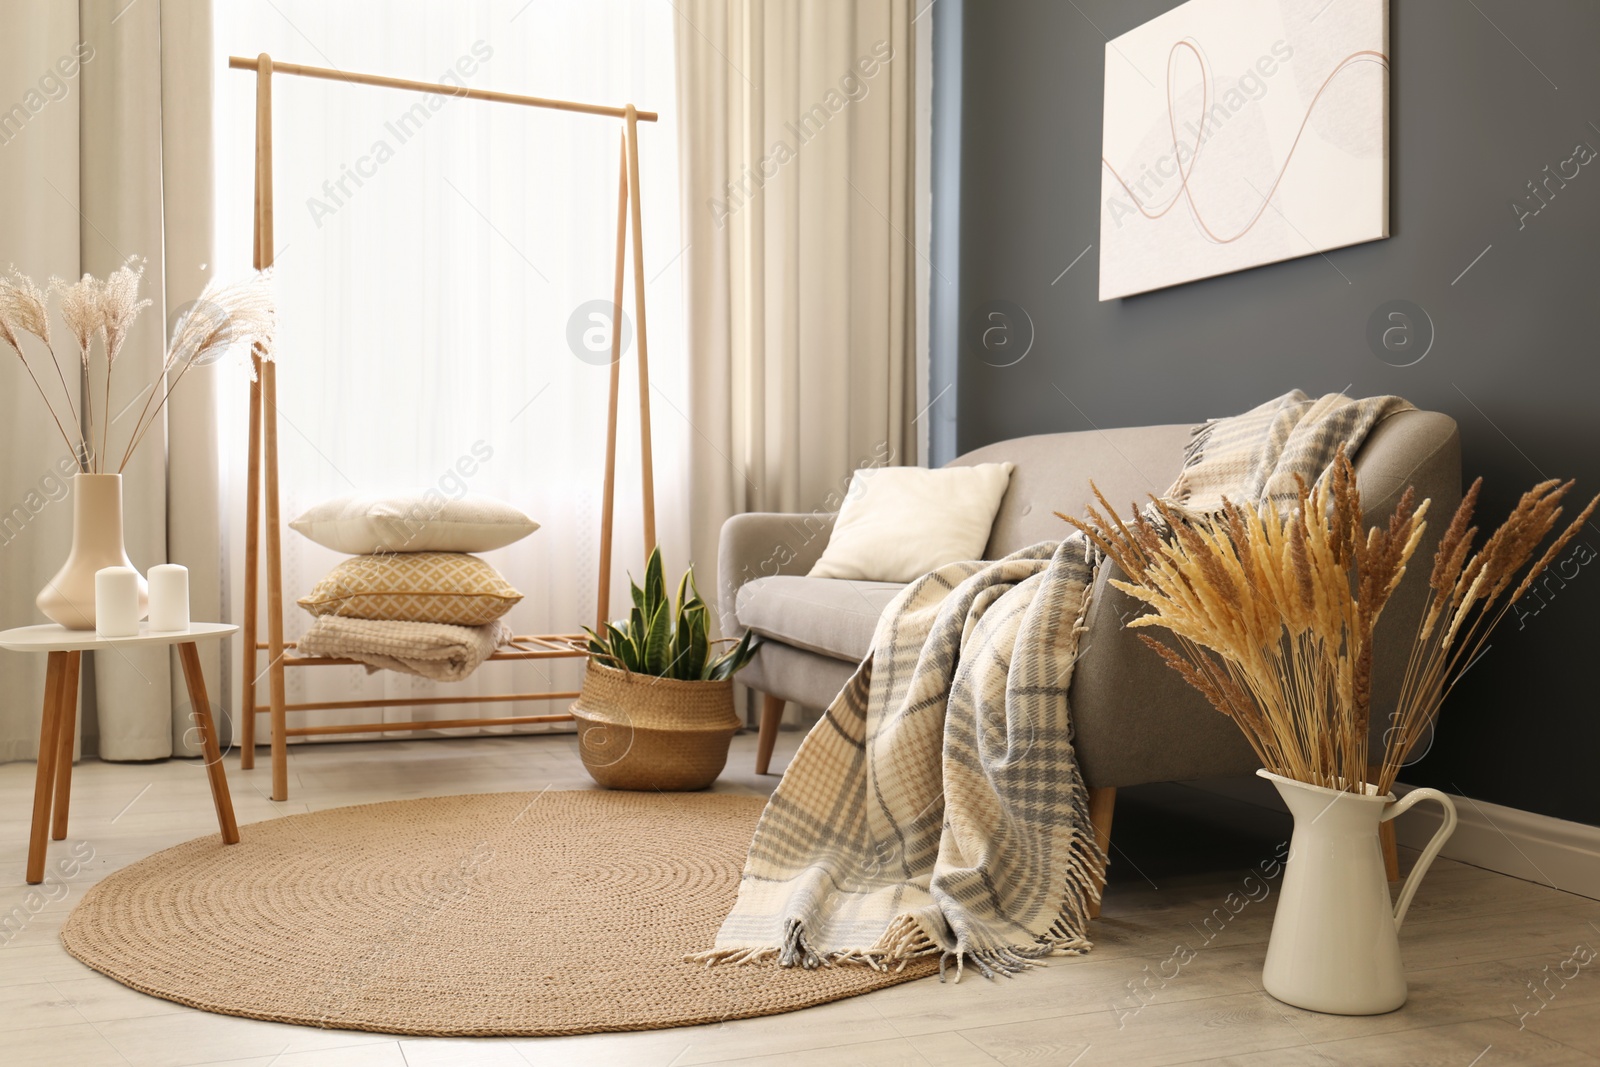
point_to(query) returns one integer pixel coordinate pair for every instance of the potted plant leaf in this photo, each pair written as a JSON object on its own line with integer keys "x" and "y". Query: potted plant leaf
{"x": 656, "y": 710}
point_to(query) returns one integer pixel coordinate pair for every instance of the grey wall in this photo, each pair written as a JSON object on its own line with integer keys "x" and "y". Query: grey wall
{"x": 944, "y": 245}
{"x": 1473, "y": 120}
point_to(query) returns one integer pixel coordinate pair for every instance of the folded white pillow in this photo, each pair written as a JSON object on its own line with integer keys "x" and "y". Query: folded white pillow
{"x": 899, "y": 523}
{"x": 425, "y": 521}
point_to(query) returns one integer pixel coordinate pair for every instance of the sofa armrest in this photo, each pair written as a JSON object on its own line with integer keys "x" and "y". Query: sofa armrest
{"x": 1420, "y": 449}
{"x": 1134, "y": 719}
{"x": 761, "y": 544}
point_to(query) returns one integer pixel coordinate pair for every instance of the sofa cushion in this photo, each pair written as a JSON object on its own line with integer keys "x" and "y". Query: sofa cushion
{"x": 831, "y": 616}
{"x": 898, "y": 523}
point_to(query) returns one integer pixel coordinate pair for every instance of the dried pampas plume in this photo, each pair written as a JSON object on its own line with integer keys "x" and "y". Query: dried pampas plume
{"x": 120, "y": 305}
{"x": 22, "y": 307}
{"x": 222, "y": 319}
{"x": 81, "y": 309}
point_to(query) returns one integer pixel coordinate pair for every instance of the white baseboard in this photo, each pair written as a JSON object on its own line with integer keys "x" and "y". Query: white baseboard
{"x": 1522, "y": 844}
{"x": 1537, "y": 848}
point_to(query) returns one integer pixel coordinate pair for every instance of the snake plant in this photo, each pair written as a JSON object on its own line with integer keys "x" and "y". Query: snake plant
{"x": 666, "y": 639}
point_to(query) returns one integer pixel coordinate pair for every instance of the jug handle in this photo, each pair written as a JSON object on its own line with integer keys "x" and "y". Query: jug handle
{"x": 1409, "y": 890}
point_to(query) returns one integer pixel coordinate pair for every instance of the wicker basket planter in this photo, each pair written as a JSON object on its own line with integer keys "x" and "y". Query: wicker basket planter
{"x": 638, "y": 731}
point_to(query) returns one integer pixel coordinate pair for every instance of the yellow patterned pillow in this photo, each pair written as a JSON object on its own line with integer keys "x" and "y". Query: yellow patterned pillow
{"x": 450, "y": 587}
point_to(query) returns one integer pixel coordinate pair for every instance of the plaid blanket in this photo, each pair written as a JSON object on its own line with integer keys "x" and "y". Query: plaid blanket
{"x": 937, "y": 806}
{"x": 1256, "y": 456}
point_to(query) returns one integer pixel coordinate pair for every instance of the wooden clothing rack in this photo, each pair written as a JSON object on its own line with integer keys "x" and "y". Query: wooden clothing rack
{"x": 262, "y": 492}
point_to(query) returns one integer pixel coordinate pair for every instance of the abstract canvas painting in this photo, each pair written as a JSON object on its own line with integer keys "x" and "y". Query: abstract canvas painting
{"x": 1239, "y": 133}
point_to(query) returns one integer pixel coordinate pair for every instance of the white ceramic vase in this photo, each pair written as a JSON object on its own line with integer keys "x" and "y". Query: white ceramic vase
{"x": 1335, "y": 943}
{"x": 68, "y": 598}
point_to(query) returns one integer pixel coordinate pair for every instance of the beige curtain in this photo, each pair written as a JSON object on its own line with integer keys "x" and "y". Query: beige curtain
{"x": 796, "y": 152}
{"x": 105, "y": 134}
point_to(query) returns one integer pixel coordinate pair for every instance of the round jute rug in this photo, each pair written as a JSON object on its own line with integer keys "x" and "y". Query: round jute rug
{"x": 500, "y": 914}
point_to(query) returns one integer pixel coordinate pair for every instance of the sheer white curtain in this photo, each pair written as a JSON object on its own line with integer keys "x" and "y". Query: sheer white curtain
{"x": 799, "y": 155}
{"x": 433, "y": 257}
{"x": 798, "y": 178}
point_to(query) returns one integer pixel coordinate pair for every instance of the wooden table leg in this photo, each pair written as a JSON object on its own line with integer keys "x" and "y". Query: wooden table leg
{"x": 44, "y": 777}
{"x": 66, "y": 734}
{"x": 247, "y": 732}
{"x": 201, "y": 705}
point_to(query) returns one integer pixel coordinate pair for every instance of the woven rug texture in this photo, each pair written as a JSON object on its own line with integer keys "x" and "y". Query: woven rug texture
{"x": 512, "y": 914}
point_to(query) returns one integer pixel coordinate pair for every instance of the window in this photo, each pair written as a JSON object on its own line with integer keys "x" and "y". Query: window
{"x": 435, "y": 263}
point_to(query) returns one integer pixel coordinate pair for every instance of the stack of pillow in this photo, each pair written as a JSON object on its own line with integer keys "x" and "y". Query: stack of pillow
{"x": 411, "y": 566}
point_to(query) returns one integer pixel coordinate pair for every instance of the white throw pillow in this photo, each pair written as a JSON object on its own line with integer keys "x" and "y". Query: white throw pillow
{"x": 899, "y": 523}
{"x": 414, "y": 522}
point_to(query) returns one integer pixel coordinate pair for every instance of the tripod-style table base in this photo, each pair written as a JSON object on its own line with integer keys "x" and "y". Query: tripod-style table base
{"x": 52, "y": 786}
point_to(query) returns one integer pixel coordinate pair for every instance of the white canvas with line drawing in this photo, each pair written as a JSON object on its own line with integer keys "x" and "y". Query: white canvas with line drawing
{"x": 1239, "y": 133}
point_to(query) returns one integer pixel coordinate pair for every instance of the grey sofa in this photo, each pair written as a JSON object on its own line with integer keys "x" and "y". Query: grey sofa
{"x": 1134, "y": 720}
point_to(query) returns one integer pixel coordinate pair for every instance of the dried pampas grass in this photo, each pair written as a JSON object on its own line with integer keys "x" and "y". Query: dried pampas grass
{"x": 24, "y": 308}
{"x": 225, "y": 317}
{"x": 81, "y": 310}
{"x": 1273, "y": 615}
{"x": 119, "y": 306}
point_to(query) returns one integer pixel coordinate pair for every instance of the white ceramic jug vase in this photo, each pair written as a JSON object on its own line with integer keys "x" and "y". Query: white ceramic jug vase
{"x": 1335, "y": 938}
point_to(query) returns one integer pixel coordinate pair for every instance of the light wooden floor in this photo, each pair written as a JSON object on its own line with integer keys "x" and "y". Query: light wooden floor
{"x": 1473, "y": 943}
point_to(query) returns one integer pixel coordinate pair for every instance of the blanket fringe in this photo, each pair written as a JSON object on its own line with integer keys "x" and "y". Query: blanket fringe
{"x": 904, "y": 941}
{"x": 908, "y": 939}
{"x": 732, "y": 956}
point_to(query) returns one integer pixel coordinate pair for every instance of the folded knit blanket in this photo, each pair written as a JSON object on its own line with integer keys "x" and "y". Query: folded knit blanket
{"x": 434, "y": 650}
{"x": 937, "y": 807}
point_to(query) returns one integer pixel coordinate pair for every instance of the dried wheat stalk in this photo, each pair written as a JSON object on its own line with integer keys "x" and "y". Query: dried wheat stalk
{"x": 1274, "y": 614}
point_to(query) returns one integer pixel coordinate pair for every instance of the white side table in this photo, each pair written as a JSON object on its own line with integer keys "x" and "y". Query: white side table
{"x": 59, "y": 723}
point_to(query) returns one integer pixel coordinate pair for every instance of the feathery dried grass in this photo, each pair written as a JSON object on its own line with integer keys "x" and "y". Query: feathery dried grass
{"x": 224, "y": 317}
{"x": 120, "y": 306}
{"x": 1274, "y": 615}
{"x": 24, "y": 307}
{"x": 81, "y": 310}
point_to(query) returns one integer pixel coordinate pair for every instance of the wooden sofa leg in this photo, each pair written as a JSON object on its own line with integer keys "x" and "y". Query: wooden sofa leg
{"x": 771, "y": 716}
{"x": 1391, "y": 854}
{"x": 1101, "y": 804}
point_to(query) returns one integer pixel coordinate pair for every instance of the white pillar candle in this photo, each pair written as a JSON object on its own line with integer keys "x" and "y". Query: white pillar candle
{"x": 169, "y": 597}
{"x": 116, "y": 602}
